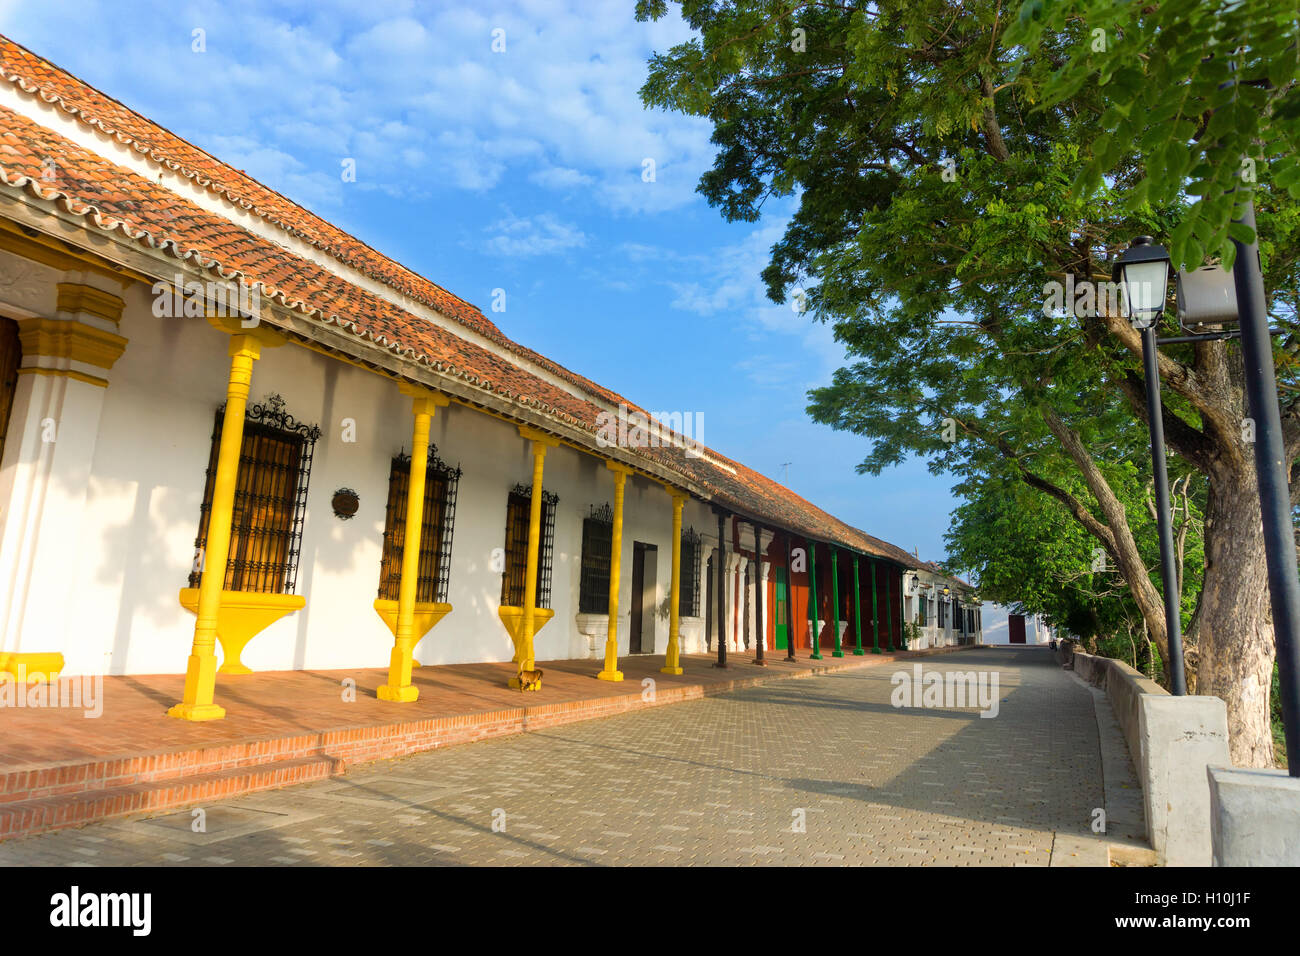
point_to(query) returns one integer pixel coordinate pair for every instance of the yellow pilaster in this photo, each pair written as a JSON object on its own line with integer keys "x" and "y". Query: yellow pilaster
{"x": 424, "y": 405}
{"x": 201, "y": 670}
{"x": 673, "y": 659}
{"x": 611, "y": 671}
{"x": 540, "y": 442}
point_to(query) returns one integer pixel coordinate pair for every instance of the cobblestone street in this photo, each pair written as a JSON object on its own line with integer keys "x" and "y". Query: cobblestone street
{"x": 815, "y": 771}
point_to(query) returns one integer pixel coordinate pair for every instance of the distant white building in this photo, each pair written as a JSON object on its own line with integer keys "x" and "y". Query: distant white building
{"x": 944, "y": 608}
{"x": 1001, "y": 626}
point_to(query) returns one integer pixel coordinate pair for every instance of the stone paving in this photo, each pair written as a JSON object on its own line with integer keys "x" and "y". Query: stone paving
{"x": 817, "y": 771}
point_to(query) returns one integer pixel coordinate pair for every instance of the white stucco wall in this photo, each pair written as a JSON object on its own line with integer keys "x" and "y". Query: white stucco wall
{"x": 135, "y": 545}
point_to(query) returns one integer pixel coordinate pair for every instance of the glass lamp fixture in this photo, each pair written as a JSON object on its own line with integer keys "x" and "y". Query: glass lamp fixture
{"x": 1143, "y": 273}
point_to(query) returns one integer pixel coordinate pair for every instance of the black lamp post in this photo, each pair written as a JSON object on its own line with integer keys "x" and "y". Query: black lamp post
{"x": 1143, "y": 269}
{"x": 1271, "y": 467}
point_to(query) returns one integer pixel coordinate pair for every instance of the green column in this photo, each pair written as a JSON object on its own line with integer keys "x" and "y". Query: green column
{"x": 875, "y": 613}
{"x": 835, "y": 601}
{"x": 857, "y": 606}
{"x": 889, "y": 611}
{"x": 812, "y": 601}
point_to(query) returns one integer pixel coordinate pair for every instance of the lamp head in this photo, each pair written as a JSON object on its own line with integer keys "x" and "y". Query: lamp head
{"x": 1143, "y": 272}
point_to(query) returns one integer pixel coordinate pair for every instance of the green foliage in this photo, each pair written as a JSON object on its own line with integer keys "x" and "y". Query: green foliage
{"x": 1197, "y": 98}
{"x": 1275, "y": 718}
{"x": 1029, "y": 554}
{"x": 949, "y": 162}
{"x": 1032, "y": 557}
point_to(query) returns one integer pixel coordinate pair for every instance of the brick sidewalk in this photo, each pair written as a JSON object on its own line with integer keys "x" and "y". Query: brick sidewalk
{"x": 817, "y": 772}
{"x": 58, "y": 768}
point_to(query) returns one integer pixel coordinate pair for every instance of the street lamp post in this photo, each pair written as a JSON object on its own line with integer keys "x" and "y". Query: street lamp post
{"x": 1271, "y": 469}
{"x": 1207, "y": 299}
{"x": 1143, "y": 268}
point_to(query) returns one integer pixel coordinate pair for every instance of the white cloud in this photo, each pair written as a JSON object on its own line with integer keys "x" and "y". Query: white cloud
{"x": 412, "y": 90}
{"x": 533, "y": 236}
{"x": 560, "y": 178}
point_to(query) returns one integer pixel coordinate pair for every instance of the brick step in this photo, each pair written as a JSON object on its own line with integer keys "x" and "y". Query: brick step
{"x": 104, "y": 773}
{"x": 22, "y": 817}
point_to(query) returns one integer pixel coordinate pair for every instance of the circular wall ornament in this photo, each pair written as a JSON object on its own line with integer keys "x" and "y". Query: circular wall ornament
{"x": 345, "y": 503}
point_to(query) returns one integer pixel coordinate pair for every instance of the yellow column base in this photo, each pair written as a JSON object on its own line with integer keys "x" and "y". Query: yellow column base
{"x": 398, "y": 688}
{"x": 675, "y": 671}
{"x": 196, "y": 711}
{"x": 535, "y": 685}
{"x": 200, "y": 671}
{"x": 610, "y": 675}
{"x": 398, "y": 695}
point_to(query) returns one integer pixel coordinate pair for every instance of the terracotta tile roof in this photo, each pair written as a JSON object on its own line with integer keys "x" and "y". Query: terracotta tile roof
{"x": 114, "y": 198}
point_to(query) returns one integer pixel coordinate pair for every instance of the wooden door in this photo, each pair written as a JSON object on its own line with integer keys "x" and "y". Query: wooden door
{"x": 641, "y": 638}
{"x": 1016, "y": 628}
{"x": 11, "y": 357}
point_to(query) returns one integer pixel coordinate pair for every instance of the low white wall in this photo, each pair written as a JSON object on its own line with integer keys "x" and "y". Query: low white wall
{"x": 1172, "y": 741}
{"x": 1255, "y": 817}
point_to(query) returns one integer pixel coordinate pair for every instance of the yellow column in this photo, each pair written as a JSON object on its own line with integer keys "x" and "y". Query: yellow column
{"x": 424, "y": 406}
{"x": 201, "y": 670}
{"x": 540, "y": 443}
{"x": 673, "y": 659}
{"x": 611, "y": 671}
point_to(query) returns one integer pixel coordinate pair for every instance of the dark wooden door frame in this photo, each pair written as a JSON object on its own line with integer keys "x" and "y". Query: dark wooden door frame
{"x": 644, "y": 580}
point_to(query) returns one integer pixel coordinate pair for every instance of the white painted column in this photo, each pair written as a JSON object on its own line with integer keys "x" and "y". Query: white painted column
{"x": 50, "y": 447}
{"x": 735, "y": 601}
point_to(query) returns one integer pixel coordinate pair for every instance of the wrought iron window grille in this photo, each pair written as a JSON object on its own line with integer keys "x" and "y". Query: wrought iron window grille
{"x": 441, "y": 487}
{"x": 688, "y": 598}
{"x": 597, "y": 556}
{"x": 270, "y": 499}
{"x": 513, "y": 578}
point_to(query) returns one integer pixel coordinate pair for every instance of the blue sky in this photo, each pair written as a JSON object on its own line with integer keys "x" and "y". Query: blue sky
{"x": 518, "y": 170}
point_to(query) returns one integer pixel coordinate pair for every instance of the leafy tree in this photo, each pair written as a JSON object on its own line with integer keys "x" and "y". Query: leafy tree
{"x": 936, "y": 208}
{"x": 1027, "y": 553}
{"x": 1206, "y": 91}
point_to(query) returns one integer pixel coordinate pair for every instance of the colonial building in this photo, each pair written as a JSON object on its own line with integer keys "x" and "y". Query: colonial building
{"x": 945, "y": 609}
{"x": 236, "y": 438}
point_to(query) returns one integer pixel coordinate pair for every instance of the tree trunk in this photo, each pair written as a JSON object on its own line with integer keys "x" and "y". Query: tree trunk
{"x": 1233, "y": 632}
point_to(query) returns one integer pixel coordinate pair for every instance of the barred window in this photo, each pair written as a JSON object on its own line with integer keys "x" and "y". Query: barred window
{"x": 440, "y": 485}
{"x": 921, "y": 602}
{"x": 514, "y": 578}
{"x": 688, "y": 600}
{"x": 597, "y": 551}
{"x": 270, "y": 499}
{"x": 943, "y": 613}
